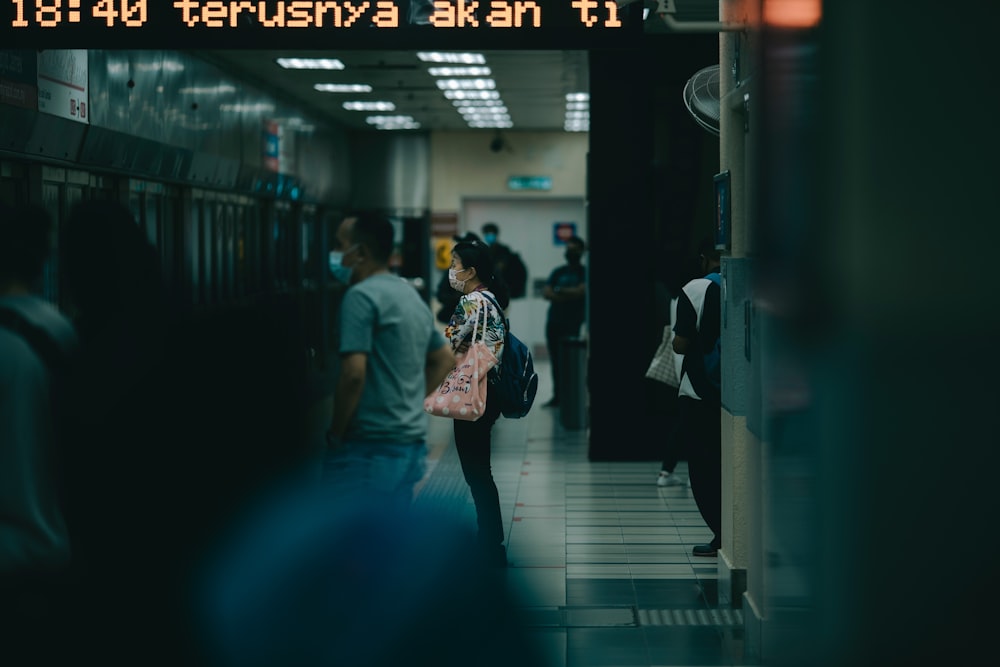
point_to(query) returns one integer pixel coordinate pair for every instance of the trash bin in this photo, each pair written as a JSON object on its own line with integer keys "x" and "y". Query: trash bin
{"x": 573, "y": 383}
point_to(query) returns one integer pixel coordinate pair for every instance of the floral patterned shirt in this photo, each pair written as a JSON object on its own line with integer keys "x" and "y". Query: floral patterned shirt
{"x": 460, "y": 329}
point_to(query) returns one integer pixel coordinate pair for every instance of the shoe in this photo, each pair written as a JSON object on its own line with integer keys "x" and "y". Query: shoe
{"x": 704, "y": 550}
{"x": 668, "y": 479}
{"x": 553, "y": 403}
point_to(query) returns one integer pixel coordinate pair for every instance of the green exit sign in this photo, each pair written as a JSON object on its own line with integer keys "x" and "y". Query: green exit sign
{"x": 529, "y": 183}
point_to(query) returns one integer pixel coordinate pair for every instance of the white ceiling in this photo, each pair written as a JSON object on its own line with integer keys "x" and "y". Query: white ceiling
{"x": 532, "y": 84}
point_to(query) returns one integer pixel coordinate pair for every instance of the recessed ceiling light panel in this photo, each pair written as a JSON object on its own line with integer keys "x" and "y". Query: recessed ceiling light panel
{"x": 343, "y": 87}
{"x": 310, "y": 63}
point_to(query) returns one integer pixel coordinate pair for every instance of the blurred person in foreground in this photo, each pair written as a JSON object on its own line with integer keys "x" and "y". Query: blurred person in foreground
{"x": 179, "y": 421}
{"x": 312, "y": 581}
{"x": 37, "y": 345}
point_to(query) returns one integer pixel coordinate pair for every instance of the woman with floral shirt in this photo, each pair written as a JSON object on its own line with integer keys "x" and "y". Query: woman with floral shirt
{"x": 472, "y": 275}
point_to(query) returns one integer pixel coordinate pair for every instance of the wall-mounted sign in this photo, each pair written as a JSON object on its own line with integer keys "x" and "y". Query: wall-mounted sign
{"x": 529, "y": 183}
{"x": 271, "y": 146}
{"x": 442, "y": 252}
{"x": 19, "y": 78}
{"x": 62, "y": 84}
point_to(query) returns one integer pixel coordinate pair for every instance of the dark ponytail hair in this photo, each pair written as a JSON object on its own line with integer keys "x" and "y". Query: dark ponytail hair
{"x": 476, "y": 255}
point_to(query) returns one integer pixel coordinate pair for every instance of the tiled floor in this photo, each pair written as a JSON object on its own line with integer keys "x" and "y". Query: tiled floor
{"x": 599, "y": 556}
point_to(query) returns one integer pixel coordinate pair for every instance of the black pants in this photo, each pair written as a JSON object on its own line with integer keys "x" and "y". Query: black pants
{"x": 664, "y": 406}
{"x": 472, "y": 440}
{"x": 554, "y": 333}
{"x": 701, "y": 423}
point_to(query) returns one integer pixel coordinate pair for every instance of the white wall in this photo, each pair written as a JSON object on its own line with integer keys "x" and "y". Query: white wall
{"x": 463, "y": 166}
{"x": 469, "y": 179}
{"x": 527, "y": 226}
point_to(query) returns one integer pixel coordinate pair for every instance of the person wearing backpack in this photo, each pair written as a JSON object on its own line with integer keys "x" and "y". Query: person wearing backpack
{"x": 697, "y": 335}
{"x": 507, "y": 263}
{"x": 37, "y": 343}
{"x": 472, "y": 274}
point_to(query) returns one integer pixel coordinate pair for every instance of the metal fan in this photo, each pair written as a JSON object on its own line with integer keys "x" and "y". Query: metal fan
{"x": 701, "y": 97}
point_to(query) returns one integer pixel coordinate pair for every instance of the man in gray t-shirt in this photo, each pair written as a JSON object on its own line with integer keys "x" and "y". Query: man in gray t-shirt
{"x": 391, "y": 356}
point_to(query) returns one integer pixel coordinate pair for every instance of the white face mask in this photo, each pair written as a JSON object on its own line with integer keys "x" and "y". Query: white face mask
{"x": 456, "y": 284}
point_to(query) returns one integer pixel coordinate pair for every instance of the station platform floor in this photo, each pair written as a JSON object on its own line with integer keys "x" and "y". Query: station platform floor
{"x": 599, "y": 556}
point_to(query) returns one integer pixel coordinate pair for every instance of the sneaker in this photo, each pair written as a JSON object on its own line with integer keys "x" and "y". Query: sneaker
{"x": 704, "y": 550}
{"x": 668, "y": 479}
{"x": 552, "y": 403}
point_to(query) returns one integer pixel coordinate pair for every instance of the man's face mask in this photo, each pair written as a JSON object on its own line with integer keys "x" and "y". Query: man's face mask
{"x": 490, "y": 238}
{"x": 340, "y": 272}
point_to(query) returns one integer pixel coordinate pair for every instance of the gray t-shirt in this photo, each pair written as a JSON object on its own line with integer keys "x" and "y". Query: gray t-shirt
{"x": 33, "y": 532}
{"x": 384, "y": 317}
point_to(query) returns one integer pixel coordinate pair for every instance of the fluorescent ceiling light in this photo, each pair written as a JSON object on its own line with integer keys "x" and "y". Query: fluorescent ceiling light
{"x": 485, "y": 117}
{"x": 473, "y": 109}
{"x": 578, "y": 115}
{"x": 577, "y": 97}
{"x": 404, "y": 126}
{"x": 459, "y": 71}
{"x": 393, "y": 122}
{"x": 343, "y": 87}
{"x": 466, "y": 84}
{"x": 376, "y": 120}
{"x": 478, "y": 103}
{"x": 369, "y": 106}
{"x": 577, "y": 106}
{"x": 445, "y": 57}
{"x": 310, "y": 63}
{"x": 483, "y": 124}
{"x": 207, "y": 90}
{"x": 160, "y": 66}
{"x": 258, "y": 107}
{"x": 472, "y": 94}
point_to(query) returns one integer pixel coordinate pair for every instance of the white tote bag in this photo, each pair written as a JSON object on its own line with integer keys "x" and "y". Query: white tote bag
{"x": 666, "y": 364}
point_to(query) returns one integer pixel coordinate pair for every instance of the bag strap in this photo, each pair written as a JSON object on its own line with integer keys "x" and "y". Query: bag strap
{"x": 503, "y": 316}
{"x": 480, "y": 312}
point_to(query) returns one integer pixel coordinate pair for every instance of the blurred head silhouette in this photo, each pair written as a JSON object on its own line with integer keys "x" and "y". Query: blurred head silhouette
{"x": 109, "y": 264}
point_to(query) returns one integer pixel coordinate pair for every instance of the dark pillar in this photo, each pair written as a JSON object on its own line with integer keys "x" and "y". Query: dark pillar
{"x": 619, "y": 262}
{"x": 643, "y": 145}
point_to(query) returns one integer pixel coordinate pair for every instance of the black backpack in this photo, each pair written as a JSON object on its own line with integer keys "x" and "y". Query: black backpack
{"x": 515, "y": 273}
{"x": 517, "y": 381}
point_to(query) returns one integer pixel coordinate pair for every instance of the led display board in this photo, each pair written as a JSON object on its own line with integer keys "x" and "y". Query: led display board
{"x": 397, "y": 24}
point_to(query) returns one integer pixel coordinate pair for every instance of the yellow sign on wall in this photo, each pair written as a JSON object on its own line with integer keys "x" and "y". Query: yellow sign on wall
{"x": 442, "y": 252}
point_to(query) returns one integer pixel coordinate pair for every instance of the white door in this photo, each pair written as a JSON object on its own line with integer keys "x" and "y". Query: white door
{"x": 528, "y": 226}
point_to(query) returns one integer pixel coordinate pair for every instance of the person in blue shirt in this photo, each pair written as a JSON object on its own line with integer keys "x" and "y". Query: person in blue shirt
{"x": 566, "y": 292}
